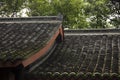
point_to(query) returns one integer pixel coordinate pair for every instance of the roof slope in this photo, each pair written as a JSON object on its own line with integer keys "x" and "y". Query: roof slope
{"x": 20, "y": 40}
{"x": 84, "y": 52}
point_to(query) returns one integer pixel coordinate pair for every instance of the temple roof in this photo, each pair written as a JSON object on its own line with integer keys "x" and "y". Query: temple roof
{"x": 20, "y": 38}
{"x": 47, "y": 52}
{"x": 87, "y": 52}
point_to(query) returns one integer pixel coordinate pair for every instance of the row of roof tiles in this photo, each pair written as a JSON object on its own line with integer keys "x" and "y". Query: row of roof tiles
{"x": 72, "y": 76}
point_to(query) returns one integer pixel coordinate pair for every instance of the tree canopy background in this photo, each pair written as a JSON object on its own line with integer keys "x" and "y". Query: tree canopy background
{"x": 77, "y": 14}
{"x": 9, "y": 8}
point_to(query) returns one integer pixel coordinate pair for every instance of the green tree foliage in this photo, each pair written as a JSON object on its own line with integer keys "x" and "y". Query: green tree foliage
{"x": 76, "y": 13}
{"x": 39, "y": 8}
{"x": 114, "y": 6}
{"x": 10, "y": 8}
{"x": 98, "y": 12}
{"x": 72, "y": 11}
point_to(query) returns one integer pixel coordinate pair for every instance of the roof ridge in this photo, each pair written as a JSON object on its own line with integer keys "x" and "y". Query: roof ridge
{"x": 33, "y": 18}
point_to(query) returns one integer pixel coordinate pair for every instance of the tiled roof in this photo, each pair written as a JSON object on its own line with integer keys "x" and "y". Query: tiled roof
{"x": 36, "y": 43}
{"x": 20, "y": 40}
{"x": 90, "y": 54}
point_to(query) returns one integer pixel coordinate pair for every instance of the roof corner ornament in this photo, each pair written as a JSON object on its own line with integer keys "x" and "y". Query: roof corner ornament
{"x": 60, "y": 16}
